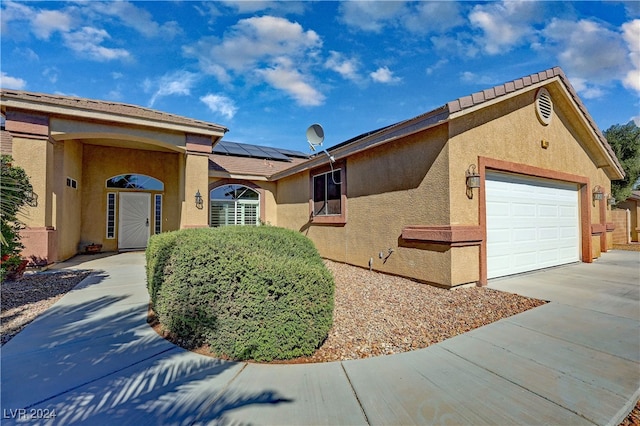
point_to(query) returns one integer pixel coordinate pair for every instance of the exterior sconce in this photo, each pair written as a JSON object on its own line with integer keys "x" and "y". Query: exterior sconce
{"x": 199, "y": 203}
{"x": 598, "y": 194}
{"x": 611, "y": 200}
{"x": 31, "y": 198}
{"x": 473, "y": 180}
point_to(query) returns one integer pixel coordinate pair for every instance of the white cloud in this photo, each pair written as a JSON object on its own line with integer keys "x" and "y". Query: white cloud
{"x": 346, "y": 67}
{"x": 220, "y": 104}
{"x": 607, "y": 57}
{"x": 504, "y": 25}
{"x": 587, "y": 90}
{"x": 48, "y": 21}
{"x": 177, "y": 83}
{"x": 370, "y": 15}
{"x": 51, "y": 74}
{"x": 87, "y": 42}
{"x": 263, "y": 39}
{"x": 384, "y": 75}
{"x": 276, "y": 50}
{"x": 134, "y": 17}
{"x": 434, "y": 17}
{"x": 284, "y": 77}
{"x": 442, "y": 62}
{"x": 631, "y": 34}
{"x": 461, "y": 43}
{"x": 8, "y": 82}
{"x": 473, "y": 78}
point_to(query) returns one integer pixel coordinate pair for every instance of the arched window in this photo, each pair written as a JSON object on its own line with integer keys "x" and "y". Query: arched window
{"x": 234, "y": 205}
{"x": 135, "y": 181}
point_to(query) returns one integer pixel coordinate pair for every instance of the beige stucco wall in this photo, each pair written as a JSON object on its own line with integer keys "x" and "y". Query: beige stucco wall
{"x": 68, "y": 211}
{"x": 35, "y": 156}
{"x": 510, "y": 131}
{"x": 101, "y": 163}
{"x": 388, "y": 188}
{"x": 196, "y": 179}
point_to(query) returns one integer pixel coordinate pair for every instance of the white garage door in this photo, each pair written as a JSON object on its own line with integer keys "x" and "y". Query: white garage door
{"x": 531, "y": 224}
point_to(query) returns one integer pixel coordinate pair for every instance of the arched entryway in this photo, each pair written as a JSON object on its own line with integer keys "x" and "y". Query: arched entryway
{"x": 131, "y": 196}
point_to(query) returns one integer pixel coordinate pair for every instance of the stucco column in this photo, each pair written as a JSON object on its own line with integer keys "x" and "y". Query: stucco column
{"x": 196, "y": 179}
{"x": 32, "y": 150}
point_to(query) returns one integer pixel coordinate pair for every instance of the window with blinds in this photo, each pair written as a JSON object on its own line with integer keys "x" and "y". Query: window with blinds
{"x": 234, "y": 205}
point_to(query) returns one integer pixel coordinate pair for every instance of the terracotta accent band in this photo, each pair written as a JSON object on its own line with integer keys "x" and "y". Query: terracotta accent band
{"x": 610, "y": 226}
{"x": 27, "y": 123}
{"x": 197, "y": 143}
{"x": 485, "y": 163}
{"x": 454, "y": 235}
{"x": 598, "y": 229}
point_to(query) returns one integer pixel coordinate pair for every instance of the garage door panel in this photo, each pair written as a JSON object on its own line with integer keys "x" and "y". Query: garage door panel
{"x": 548, "y": 211}
{"x": 531, "y": 224}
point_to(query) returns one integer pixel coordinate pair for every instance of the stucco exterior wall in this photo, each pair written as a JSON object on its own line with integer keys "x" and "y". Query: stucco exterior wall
{"x": 101, "y": 163}
{"x": 510, "y": 131}
{"x": 68, "y": 211}
{"x": 389, "y": 187}
{"x": 196, "y": 179}
{"x": 35, "y": 156}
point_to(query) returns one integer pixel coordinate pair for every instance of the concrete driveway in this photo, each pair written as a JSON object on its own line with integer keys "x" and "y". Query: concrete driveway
{"x": 92, "y": 359}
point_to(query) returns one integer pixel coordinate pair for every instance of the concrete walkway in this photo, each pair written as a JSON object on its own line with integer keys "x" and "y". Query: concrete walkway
{"x": 92, "y": 359}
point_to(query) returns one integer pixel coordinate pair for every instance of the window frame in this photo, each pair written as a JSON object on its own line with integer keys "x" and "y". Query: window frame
{"x": 332, "y": 219}
{"x": 111, "y": 228}
{"x": 157, "y": 213}
{"x": 235, "y": 203}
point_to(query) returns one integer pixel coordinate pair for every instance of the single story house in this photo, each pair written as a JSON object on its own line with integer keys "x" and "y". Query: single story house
{"x": 507, "y": 180}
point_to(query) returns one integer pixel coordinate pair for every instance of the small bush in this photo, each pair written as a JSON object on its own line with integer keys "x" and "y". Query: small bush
{"x": 258, "y": 293}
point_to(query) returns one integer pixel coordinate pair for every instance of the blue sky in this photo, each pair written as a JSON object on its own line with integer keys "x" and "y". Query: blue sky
{"x": 267, "y": 70}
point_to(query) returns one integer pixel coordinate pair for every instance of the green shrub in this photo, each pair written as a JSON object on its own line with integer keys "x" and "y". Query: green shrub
{"x": 14, "y": 190}
{"x": 258, "y": 293}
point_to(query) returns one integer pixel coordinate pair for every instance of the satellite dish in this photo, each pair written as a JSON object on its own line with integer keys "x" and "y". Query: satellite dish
{"x": 315, "y": 136}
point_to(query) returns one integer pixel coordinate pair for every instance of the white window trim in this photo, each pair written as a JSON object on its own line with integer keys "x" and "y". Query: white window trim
{"x": 115, "y": 209}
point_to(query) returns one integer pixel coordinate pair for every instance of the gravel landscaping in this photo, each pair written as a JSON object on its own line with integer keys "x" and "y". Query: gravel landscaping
{"x": 23, "y": 300}
{"x": 379, "y": 314}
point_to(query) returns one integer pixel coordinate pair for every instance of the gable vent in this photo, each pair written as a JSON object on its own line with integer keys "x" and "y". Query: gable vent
{"x": 544, "y": 106}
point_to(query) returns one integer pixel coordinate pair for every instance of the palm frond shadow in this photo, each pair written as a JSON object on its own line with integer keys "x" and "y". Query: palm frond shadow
{"x": 99, "y": 361}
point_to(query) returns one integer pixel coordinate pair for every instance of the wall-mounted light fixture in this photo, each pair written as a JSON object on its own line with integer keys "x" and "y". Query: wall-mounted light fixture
{"x": 611, "y": 200}
{"x": 473, "y": 180}
{"x": 598, "y": 194}
{"x": 31, "y": 198}
{"x": 199, "y": 203}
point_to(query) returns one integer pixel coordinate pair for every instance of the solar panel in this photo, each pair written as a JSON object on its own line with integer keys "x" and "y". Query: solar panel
{"x": 255, "y": 151}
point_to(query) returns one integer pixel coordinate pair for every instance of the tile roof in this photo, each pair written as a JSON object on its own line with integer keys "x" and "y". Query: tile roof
{"x": 521, "y": 83}
{"x": 109, "y": 107}
{"x": 236, "y": 165}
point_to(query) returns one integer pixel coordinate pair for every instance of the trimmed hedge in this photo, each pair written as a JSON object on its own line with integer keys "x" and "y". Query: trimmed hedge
{"x": 259, "y": 293}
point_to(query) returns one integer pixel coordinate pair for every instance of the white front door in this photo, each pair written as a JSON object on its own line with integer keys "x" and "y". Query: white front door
{"x": 135, "y": 220}
{"x": 531, "y": 224}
